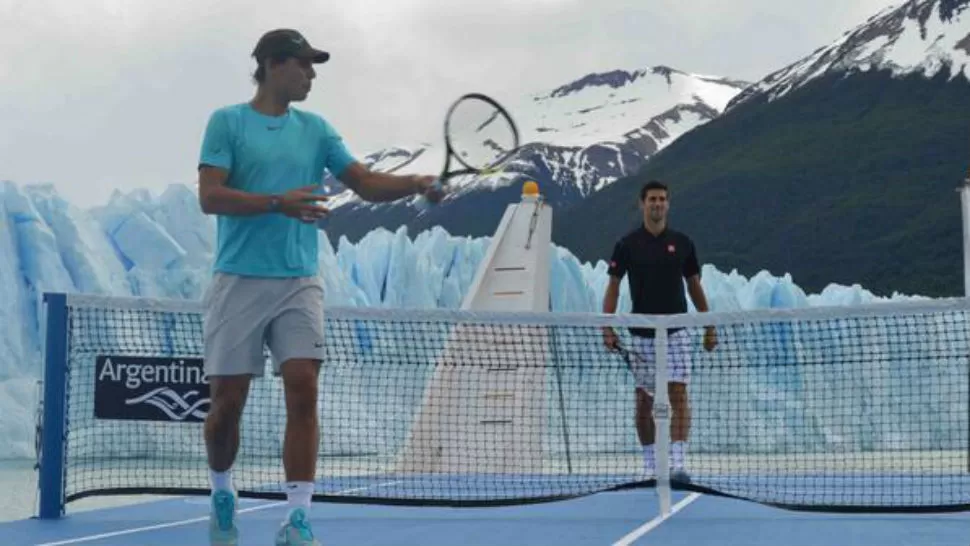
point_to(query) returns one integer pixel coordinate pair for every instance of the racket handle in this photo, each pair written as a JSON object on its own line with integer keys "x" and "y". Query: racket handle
{"x": 423, "y": 204}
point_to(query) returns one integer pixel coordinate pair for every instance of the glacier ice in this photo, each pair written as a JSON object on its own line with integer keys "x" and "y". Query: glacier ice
{"x": 142, "y": 245}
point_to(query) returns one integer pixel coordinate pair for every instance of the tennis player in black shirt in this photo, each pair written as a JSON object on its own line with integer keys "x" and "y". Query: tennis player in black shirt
{"x": 658, "y": 260}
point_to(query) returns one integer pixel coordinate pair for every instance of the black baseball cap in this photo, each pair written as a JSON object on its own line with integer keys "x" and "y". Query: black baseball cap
{"x": 285, "y": 42}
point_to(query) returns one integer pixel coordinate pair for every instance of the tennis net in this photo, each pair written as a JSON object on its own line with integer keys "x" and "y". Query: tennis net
{"x": 844, "y": 408}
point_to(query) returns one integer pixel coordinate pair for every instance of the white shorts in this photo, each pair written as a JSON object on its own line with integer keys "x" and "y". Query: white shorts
{"x": 678, "y": 360}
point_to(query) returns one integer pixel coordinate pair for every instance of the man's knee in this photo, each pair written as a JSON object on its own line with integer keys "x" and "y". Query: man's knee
{"x": 676, "y": 395}
{"x": 300, "y": 384}
{"x": 644, "y": 398}
{"x": 677, "y": 392}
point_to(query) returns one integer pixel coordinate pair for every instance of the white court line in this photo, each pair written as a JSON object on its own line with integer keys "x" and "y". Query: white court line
{"x": 655, "y": 522}
{"x": 188, "y": 521}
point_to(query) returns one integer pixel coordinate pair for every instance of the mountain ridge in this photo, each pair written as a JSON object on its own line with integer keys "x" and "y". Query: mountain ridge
{"x": 903, "y": 39}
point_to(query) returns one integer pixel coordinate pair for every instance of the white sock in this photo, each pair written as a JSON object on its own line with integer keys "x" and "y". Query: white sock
{"x": 678, "y": 452}
{"x": 299, "y": 494}
{"x": 220, "y": 480}
{"x": 649, "y": 459}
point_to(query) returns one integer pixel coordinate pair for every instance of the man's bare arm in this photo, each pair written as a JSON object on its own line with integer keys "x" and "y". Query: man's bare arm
{"x": 610, "y": 300}
{"x": 375, "y": 186}
{"x": 696, "y": 292}
{"x": 612, "y": 295}
{"x": 215, "y": 197}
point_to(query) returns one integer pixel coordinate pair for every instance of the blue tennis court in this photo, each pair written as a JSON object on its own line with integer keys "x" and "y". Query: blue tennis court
{"x": 613, "y": 518}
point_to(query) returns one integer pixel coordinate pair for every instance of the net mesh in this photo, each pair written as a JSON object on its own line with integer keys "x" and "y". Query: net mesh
{"x": 833, "y": 409}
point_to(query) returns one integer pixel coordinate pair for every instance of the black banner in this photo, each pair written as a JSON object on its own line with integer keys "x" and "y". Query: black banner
{"x": 137, "y": 388}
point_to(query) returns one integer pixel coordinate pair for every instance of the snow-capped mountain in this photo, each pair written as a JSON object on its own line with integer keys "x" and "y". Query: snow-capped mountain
{"x": 586, "y": 133}
{"x": 919, "y": 36}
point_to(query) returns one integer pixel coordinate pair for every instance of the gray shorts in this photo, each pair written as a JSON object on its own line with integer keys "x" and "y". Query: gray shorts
{"x": 243, "y": 316}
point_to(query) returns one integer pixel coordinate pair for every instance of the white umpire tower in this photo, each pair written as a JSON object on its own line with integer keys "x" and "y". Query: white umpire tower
{"x": 483, "y": 410}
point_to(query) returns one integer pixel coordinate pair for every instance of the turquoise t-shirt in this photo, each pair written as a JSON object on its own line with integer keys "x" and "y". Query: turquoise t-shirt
{"x": 270, "y": 155}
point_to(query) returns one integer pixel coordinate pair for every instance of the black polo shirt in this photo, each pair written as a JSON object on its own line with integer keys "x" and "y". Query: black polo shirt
{"x": 657, "y": 266}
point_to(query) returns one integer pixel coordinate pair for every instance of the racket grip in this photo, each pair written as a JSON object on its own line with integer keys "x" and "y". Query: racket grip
{"x": 423, "y": 204}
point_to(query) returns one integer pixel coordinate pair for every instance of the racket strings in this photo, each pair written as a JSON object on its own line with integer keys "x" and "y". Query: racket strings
{"x": 480, "y": 134}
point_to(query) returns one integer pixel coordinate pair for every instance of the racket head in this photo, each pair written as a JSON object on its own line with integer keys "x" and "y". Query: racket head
{"x": 480, "y": 134}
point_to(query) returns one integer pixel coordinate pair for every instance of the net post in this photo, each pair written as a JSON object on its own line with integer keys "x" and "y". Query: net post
{"x": 965, "y": 220}
{"x": 964, "y": 191}
{"x": 51, "y": 467}
{"x": 661, "y": 416}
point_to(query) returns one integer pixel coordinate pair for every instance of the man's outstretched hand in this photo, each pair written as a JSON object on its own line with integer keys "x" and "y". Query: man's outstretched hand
{"x": 426, "y": 187}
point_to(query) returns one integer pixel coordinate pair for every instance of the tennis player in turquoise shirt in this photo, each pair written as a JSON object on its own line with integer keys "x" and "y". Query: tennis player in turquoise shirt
{"x": 269, "y": 155}
{"x": 260, "y": 168}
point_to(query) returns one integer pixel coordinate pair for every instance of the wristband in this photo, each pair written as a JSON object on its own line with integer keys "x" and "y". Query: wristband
{"x": 274, "y": 203}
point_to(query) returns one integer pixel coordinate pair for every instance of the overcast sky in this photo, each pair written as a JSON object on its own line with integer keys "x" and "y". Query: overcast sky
{"x": 104, "y": 94}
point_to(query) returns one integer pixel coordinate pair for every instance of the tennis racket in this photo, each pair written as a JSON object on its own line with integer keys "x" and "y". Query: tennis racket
{"x": 629, "y": 356}
{"x": 480, "y": 136}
